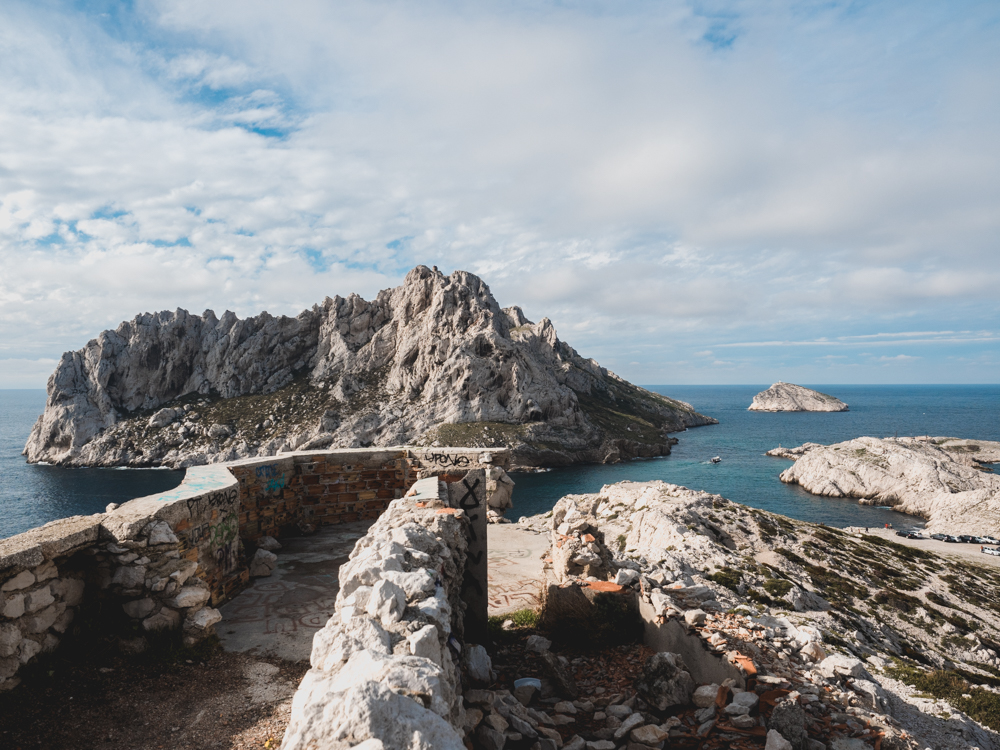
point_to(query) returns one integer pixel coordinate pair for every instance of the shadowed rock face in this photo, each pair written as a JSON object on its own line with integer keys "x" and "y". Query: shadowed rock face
{"x": 789, "y": 397}
{"x": 435, "y": 360}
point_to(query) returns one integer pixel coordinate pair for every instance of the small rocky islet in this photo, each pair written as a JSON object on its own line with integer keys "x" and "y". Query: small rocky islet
{"x": 789, "y": 397}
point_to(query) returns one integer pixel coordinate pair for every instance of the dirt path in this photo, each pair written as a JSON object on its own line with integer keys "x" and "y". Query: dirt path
{"x": 221, "y": 701}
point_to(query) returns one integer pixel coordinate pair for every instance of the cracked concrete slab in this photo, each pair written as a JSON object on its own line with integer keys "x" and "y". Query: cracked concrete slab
{"x": 515, "y": 568}
{"x": 278, "y": 615}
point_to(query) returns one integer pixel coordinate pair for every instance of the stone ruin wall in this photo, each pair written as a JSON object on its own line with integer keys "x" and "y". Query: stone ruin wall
{"x": 166, "y": 561}
{"x": 386, "y": 670}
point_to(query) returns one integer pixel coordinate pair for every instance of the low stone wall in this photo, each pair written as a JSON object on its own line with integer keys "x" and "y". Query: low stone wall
{"x": 165, "y": 561}
{"x": 385, "y": 668}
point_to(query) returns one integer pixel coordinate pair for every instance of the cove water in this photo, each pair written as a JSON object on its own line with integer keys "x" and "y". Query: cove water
{"x": 31, "y": 495}
{"x": 742, "y": 437}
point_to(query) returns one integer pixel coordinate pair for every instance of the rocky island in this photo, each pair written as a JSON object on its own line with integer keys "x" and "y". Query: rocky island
{"x": 790, "y": 397}
{"x": 435, "y": 361}
{"x": 941, "y": 479}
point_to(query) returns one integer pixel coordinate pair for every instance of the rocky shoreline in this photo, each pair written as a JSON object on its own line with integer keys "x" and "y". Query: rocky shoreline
{"x": 435, "y": 361}
{"x": 946, "y": 481}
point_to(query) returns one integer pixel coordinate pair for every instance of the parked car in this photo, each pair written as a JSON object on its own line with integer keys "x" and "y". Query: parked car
{"x": 951, "y": 539}
{"x": 939, "y": 537}
{"x": 915, "y": 535}
{"x": 967, "y": 539}
{"x": 902, "y": 533}
{"x": 991, "y": 551}
{"x": 989, "y": 540}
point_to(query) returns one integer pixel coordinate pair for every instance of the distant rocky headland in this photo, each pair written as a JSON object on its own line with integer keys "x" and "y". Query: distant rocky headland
{"x": 790, "y": 397}
{"x": 944, "y": 480}
{"x": 435, "y": 361}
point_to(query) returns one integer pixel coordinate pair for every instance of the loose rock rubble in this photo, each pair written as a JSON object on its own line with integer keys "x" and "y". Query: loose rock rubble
{"x": 755, "y": 591}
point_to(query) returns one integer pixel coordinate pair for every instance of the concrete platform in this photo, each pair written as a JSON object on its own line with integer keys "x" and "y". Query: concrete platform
{"x": 278, "y": 615}
{"x": 515, "y": 568}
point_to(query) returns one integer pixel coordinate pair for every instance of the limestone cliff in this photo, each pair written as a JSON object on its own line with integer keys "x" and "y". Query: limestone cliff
{"x": 940, "y": 479}
{"x": 433, "y": 361}
{"x": 789, "y": 397}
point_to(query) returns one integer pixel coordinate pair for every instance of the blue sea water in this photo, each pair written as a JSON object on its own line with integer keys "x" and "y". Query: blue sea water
{"x": 31, "y": 495}
{"x": 742, "y": 437}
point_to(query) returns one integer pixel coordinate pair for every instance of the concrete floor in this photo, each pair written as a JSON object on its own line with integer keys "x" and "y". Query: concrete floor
{"x": 278, "y": 615}
{"x": 515, "y": 568}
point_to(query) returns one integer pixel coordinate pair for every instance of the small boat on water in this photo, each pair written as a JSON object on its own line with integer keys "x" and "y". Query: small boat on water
{"x": 716, "y": 460}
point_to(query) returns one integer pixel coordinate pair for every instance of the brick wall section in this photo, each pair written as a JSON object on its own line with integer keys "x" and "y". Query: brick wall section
{"x": 285, "y": 495}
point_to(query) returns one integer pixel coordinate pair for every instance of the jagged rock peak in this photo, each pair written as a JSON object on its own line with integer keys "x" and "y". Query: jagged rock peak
{"x": 789, "y": 397}
{"x": 435, "y": 359}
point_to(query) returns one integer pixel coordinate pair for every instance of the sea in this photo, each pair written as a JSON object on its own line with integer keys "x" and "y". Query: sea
{"x": 31, "y": 495}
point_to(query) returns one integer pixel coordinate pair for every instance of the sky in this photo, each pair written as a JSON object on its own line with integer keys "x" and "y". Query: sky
{"x": 693, "y": 192}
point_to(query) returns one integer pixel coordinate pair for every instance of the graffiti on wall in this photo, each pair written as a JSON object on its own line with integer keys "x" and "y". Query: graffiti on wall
{"x": 225, "y": 543}
{"x": 271, "y": 477}
{"x": 216, "y": 500}
{"x": 220, "y": 533}
{"x": 446, "y": 461}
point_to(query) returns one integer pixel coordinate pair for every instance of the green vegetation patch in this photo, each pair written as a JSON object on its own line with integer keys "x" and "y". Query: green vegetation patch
{"x": 777, "y": 588}
{"x": 467, "y": 434}
{"x": 790, "y": 556}
{"x": 622, "y": 420}
{"x": 979, "y": 703}
{"x": 525, "y": 621}
{"x": 728, "y": 577}
{"x": 834, "y": 587}
{"x": 910, "y": 554}
{"x": 898, "y": 601}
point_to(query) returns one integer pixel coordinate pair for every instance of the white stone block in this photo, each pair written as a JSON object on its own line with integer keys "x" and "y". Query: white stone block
{"x": 21, "y": 581}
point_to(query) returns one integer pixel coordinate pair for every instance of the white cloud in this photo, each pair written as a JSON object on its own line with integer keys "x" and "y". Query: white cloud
{"x": 826, "y": 177}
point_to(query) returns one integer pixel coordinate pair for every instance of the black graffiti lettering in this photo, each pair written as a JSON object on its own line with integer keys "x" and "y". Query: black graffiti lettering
{"x": 443, "y": 459}
{"x": 470, "y": 493}
{"x": 223, "y": 497}
{"x": 220, "y": 499}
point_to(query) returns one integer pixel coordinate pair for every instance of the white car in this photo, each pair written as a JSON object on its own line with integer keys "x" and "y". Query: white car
{"x": 991, "y": 551}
